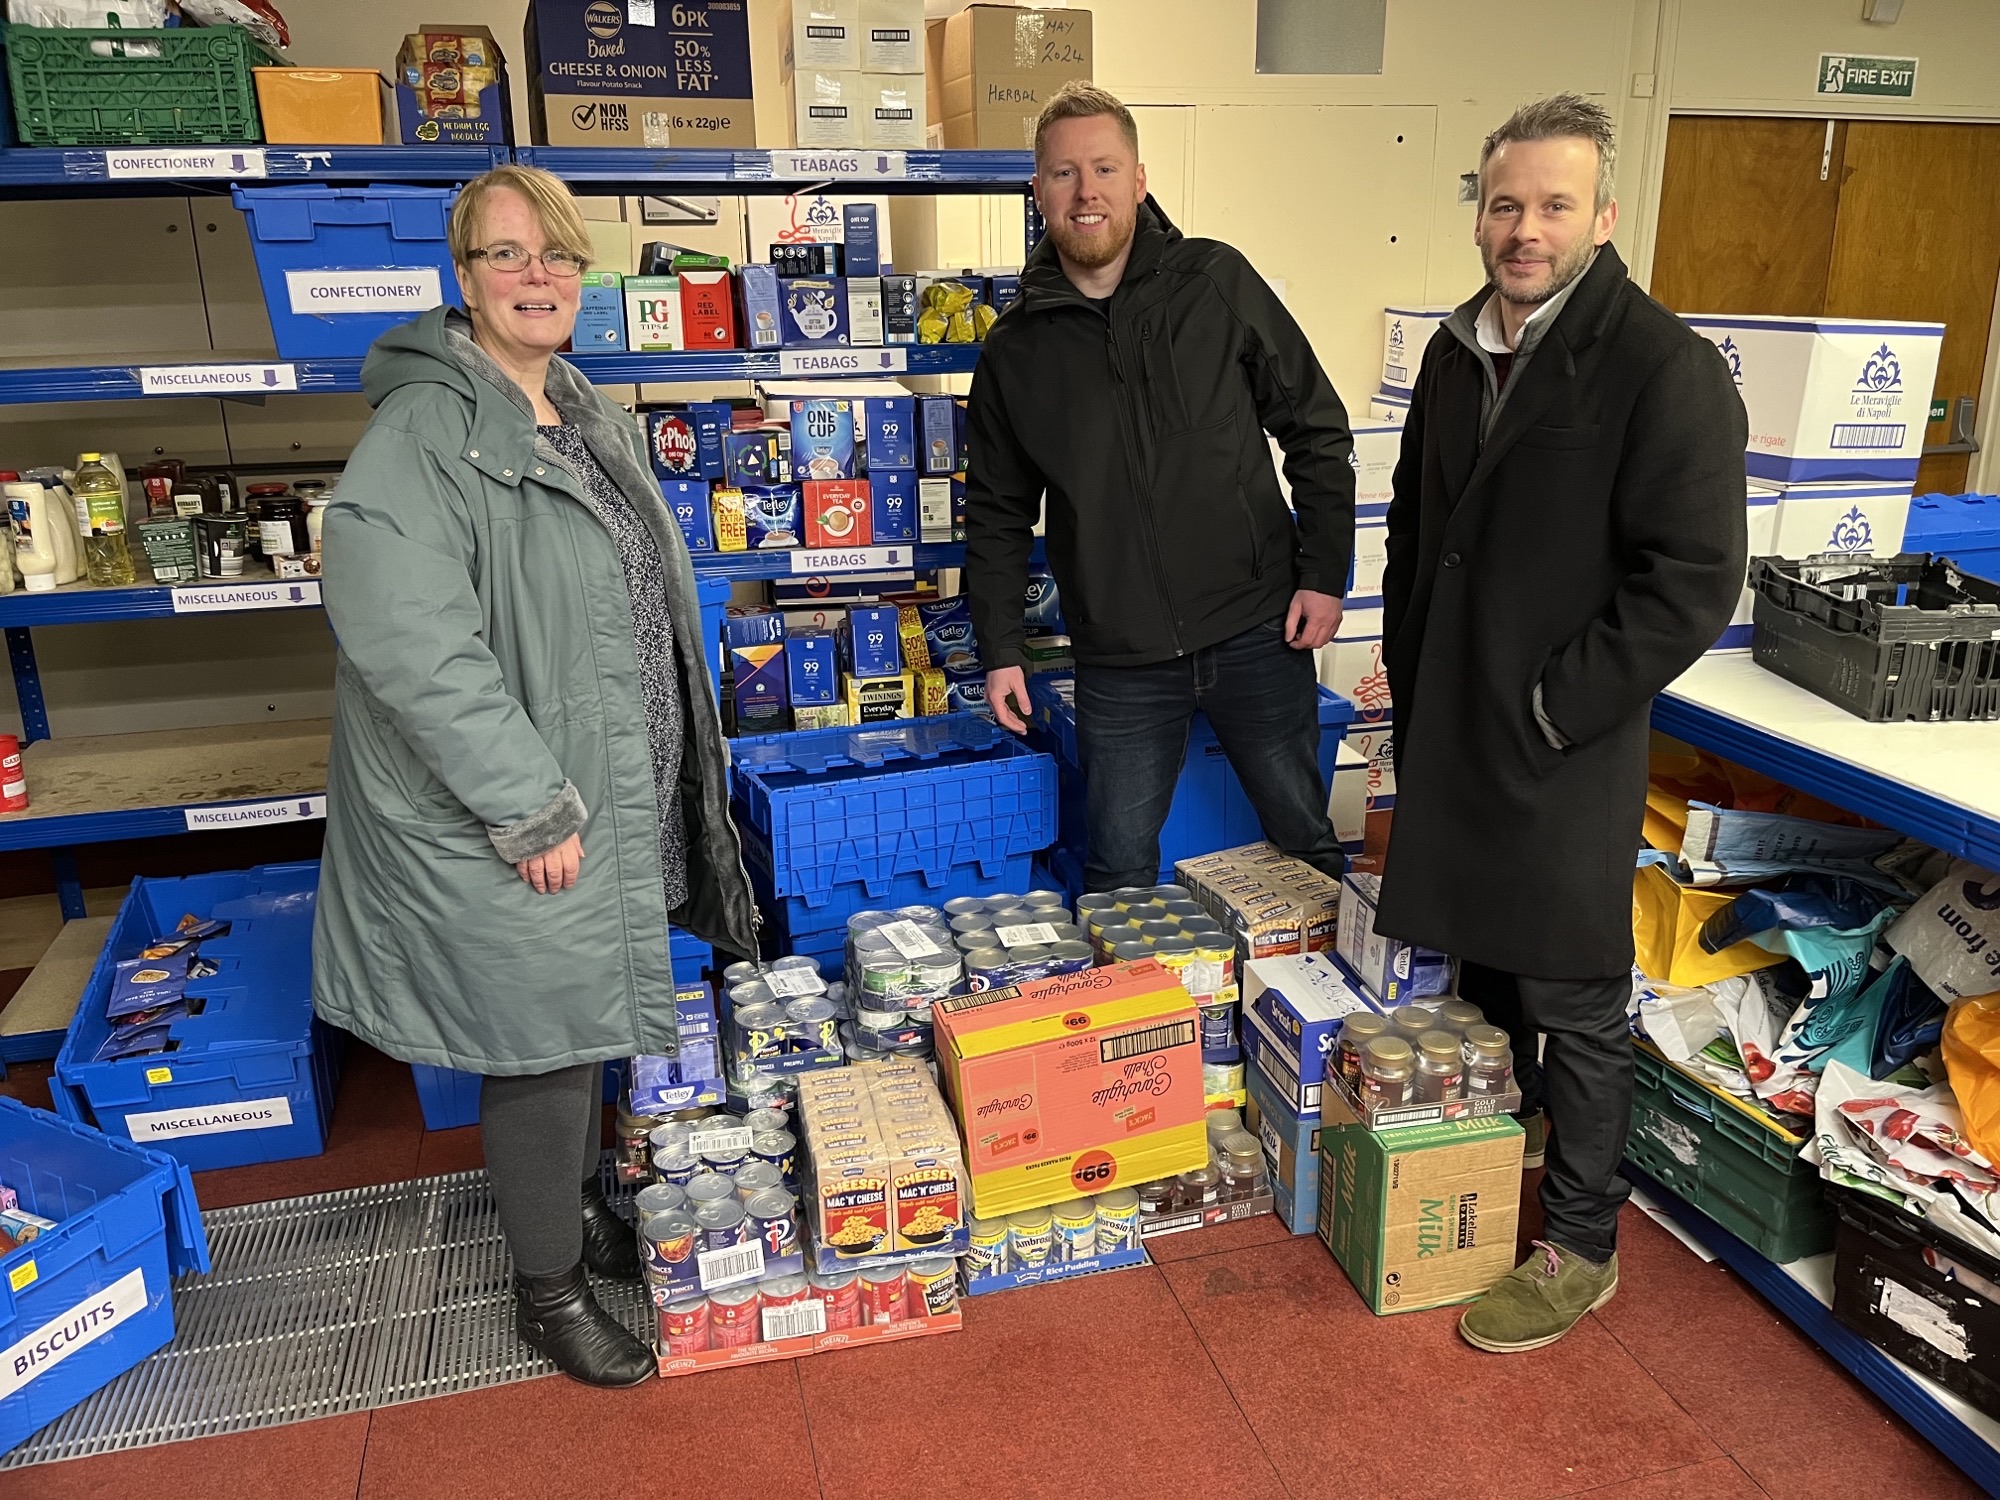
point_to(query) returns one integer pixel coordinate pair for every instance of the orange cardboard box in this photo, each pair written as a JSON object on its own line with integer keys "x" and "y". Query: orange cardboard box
{"x": 1067, "y": 1086}
{"x": 322, "y": 106}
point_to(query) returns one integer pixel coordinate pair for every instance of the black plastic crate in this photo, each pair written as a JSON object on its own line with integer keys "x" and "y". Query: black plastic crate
{"x": 1886, "y": 638}
{"x": 1915, "y": 1292}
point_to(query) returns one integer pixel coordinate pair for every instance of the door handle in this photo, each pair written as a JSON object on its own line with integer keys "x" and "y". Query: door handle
{"x": 1958, "y": 436}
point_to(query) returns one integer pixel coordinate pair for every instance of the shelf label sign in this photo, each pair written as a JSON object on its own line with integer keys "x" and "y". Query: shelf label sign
{"x": 226, "y": 598}
{"x": 393, "y": 289}
{"x": 812, "y": 564}
{"x": 1878, "y": 77}
{"x": 42, "y": 1349}
{"x": 184, "y": 161}
{"x": 210, "y": 1119}
{"x": 255, "y": 815}
{"x": 819, "y": 165}
{"x": 216, "y": 380}
{"x": 793, "y": 362}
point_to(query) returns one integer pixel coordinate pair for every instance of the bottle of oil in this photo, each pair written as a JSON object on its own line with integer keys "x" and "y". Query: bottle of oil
{"x": 101, "y": 498}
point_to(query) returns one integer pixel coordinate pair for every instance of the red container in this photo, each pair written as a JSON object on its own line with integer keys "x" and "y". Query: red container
{"x": 13, "y": 783}
{"x": 885, "y": 1300}
{"x": 843, "y": 1303}
{"x": 684, "y": 1327}
{"x": 735, "y": 1318}
{"x": 837, "y": 513}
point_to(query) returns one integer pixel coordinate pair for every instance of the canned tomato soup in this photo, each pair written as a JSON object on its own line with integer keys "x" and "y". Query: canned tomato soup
{"x": 840, "y": 1291}
{"x": 684, "y": 1326}
{"x": 734, "y": 1317}
{"x": 933, "y": 1287}
{"x": 884, "y": 1297}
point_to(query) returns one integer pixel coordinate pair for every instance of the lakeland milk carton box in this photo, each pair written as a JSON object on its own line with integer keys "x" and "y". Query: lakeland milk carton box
{"x": 1856, "y": 518}
{"x": 1065, "y": 1087}
{"x": 1406, "y": 331}
{"x": 1829, "y": 398}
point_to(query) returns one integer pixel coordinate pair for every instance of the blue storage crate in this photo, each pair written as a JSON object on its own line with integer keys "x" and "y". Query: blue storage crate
{"x": 342, "y": 266}
{"x": 252, "y": 1076}
{"x": 1964, "y": 528}
{"x": 1210, "y": 809}
{"x": 87, "y": 1300}
{"x": 837, "y": 820}
{"x": 714, "y": 594}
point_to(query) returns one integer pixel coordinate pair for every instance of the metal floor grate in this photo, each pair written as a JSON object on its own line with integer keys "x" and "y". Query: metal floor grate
{"x": 336, "y": 1303}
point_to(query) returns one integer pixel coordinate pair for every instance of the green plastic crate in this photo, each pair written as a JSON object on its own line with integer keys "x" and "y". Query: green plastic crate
{"x": 1742, "y": 1171}
{"x": 195, "y": 88}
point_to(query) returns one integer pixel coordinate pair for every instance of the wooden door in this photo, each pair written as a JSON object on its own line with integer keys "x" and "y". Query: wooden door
{"x": 1918, "y": 237}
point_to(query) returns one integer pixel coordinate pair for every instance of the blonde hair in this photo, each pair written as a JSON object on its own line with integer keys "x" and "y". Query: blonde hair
{"x": 562, "y": 221}
{"x": 1078, "y": 100}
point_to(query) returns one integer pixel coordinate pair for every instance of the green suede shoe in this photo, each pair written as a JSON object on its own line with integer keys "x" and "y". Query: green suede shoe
{"x": 1539, "y": 1301}
{"x": 1535, "y": 1143}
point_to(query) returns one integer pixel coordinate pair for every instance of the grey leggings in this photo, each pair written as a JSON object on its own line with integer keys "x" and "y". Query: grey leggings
{"x": 542, "y": 1133}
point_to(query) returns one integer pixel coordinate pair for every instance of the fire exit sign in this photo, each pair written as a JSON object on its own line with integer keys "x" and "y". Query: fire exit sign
{"x": 1883, "y": 77}
{"x": 1937, "y": 409}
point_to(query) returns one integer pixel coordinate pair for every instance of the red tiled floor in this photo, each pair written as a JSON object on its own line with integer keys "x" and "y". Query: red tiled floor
{"x": 1797, "y": 1423}
{"x": 1718, "y": 1479}
{"x": 1242, "y": 1234}
{"x": 445, "y": 1151}
{"x": 1096, "y": 1386}
{"x": 307, "y": 1461}
{"x": 1318, "y": 1375}
{"x": 725, "y": 1435}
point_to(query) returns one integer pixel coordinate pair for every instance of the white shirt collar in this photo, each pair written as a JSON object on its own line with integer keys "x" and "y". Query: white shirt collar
{"x": 1487, "y": 327}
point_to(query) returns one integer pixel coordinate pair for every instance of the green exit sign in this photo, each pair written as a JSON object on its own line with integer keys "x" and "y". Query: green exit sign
{"x": 1937, "y": 411}
{"x": 1883, "y": 77}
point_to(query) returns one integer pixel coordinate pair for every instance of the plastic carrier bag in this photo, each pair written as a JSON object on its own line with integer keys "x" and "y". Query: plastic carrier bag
{"x": 1951, "y": 934}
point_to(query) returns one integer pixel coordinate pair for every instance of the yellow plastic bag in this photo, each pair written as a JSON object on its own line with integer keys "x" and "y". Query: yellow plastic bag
{"x": 1666, "y": 933}
{"x": 1972, "y": 1062}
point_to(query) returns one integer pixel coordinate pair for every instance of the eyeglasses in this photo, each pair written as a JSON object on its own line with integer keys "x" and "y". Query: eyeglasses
{"x": 512, "y": 258}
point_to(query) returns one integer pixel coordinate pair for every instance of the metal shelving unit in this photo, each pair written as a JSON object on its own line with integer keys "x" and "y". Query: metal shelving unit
{"x": 1943, "y": 790}
{"x": 275, "y": 786}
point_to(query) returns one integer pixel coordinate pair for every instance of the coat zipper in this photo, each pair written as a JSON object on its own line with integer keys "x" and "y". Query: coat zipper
{"x": 1138, "y": 453}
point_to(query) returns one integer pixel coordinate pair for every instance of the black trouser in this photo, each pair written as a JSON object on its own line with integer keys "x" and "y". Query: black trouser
{"x": 1584, "y": 1082}
{"x": 542, "y": 1133}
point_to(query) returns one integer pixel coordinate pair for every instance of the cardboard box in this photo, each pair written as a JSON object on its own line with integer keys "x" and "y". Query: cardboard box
{"x": 1269, "y": 902}
{"x": 1761, "y": 523}
{"x": 1347, "y": 798}
{"x": 1392, "y": 411}
{"x": 1855, "y": 518}
{"x": 708, "y": 309}
{"x": 1291, "y": 1154}
{"x": 819, "y": 34}
{"x": 893, "y": 112}
{"x": 1001, "y": 65}
{"x": 1371, "y": 556}
{"x": 893, "y": 495}
{"x": 899, "y": 309}
{"x": 877, "y": 700}
{"x": 600, "y": 314}
{"x": 827, "y": 108}
{"x": 1376, "y": 744}
{"x": 934, "y": 510}
{"x": 774, "y": 516}
{"x": 1067, "y": 1086}
{"x": 1277, "y": 1059}
{"x": 825, "y": 441}
{"x": 861, "y": 243}
{"x": 1303, "y": 998}
{"x": 1394, "y": 972}
{"x": 1406, "y": 333}
{"x": 1376, "y": 452}
{"x": 812, "y": 666}
{"x": 1353, "y": 668}
{"x": 887, "y": 1177}
{"x": 653, "y": 314}
{"x": 870, "y": 645}
{"x": 1830, "y": 398}
{"x": 837, "y": 513}
{"x": 892, "y": 36}
{"x": 732, "y": 526}
{"x": 757, "y": 287}
{"x": 609, "y": 73}
{"x": 757, "y": 455}
{"x": 888, "y": 433}
{"x": 1423, "y": 1217}
{"x": 322, "y": 106}
{"x": 940, "y": 445}
{"x": 820, "y": 716}
{"x": 685, "y": 441}
{"x": 688, "y": 500}
{"x": 812, "y": 312}
{"x": 756, "y": 642}
{"x": 476, "y": 116}
{"x": 864, "y": 311}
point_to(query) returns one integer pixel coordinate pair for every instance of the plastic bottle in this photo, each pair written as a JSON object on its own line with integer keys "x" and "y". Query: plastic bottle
{"x": 10, "y": 576}
{"x": 34, "y": 549}
{"x": 100, "y": 504}
{"x": 62, "y": 508}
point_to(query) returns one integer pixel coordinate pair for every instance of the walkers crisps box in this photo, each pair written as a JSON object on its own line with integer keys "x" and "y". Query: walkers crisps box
{"x": 1419, "y": 1217}
{"x": 640, "y": 73}
{"x": 1065, "y": 1087}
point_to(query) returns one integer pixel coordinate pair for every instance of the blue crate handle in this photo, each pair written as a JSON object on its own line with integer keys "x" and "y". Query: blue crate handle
{"x": 820, "y": 750}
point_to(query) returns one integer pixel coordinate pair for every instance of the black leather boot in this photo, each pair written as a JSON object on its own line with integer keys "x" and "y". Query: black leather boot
{"x": 610, "y": 1245}
{"x": 558, "y": 1317}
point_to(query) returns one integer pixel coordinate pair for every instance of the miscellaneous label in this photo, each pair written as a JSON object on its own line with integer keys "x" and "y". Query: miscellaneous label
{"x": 794, "y": 1320}
{"x": 908, "y": 939}
{"x": 68, "y": 1331}
{"x": 737, "y": 1263}
{"x": 390, "y": 289}
{"x": 224, "y": 598}
{"x": 209, "y": 1119}
{"x": 199, "y": 161}
{"x": 1025, "y": 934}
{"x": 255, "y": 815}
{"x": 794, "y": 362}
{"x": 216, "y": 380}
{"x": 806, "y": 563}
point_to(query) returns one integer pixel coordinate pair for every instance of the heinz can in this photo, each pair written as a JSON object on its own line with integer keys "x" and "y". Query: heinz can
{"x": 684, "y": 1326}
{"x": 1117, "y": 1221}
{"x": 986, "y": 1249}
{"x": 734, "y": 1317}
{"x": 841, "y": 1292}
{"x": 884, "y": 1296}
{"x": 933, "y": 1287}
{"x": 786, "y": 1291}
{"x": 1074, "y": 1235}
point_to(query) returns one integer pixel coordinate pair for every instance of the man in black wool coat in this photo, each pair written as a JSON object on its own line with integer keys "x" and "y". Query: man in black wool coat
{"x": 1566, "y": 538}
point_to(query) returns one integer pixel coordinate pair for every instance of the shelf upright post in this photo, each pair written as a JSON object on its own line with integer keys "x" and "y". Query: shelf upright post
{"x": 1035, "y": 225}
{"x": 69, "y": 884}
{"x": 27, "y": 684}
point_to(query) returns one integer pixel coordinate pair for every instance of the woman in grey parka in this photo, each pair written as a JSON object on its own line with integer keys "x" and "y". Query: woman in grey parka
{"x": 528, "y": 778}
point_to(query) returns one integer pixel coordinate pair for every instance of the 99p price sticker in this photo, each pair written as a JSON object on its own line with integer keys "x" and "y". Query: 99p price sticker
{"x": 1094, "y": 1172}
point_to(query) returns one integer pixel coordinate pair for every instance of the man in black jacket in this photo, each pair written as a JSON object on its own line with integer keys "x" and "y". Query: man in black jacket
{"x": 1566, "y": 538}
{"x": 1133, "y": 382}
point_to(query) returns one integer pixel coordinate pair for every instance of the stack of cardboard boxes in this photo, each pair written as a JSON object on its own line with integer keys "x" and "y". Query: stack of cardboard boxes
{"x": 854, "y": 73}
{"x": 1351, "y": 664}
{"x": 993, "y": 68}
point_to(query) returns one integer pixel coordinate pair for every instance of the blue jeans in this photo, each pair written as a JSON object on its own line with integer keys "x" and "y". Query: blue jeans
{"x": 1262, "y": 699}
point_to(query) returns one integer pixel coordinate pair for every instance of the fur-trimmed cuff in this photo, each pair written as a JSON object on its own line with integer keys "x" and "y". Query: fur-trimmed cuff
{"x": 542, "y": 831}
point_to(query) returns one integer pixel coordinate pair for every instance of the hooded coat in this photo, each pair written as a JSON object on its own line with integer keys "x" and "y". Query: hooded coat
{"x": 487, "y": 705}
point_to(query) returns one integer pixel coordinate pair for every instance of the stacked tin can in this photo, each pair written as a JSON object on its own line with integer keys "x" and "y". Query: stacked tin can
{"x": 783, "y": 1016}
{"x": 1081, "y": 1229}
{"x": 899, "y": 963}
{"x": 1165, "y": 922}
{"x": 1008, "y": 939}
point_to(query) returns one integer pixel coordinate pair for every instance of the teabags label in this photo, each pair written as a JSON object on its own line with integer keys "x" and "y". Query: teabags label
{"x": 200, "y": 161}
{"x": 210, "y": 1119}
{"x": 813, "y": 562}
{"x": 793, "y": 362}
{"x": 392, "y": 289}
{"x": 68, "y": 1331}
{"x": 828, "y": 164}
{"x": 255, "y": 815}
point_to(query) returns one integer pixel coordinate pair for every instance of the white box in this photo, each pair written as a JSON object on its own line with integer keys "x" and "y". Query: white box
{"x": 1830, "y": 398}
{"x": 1391, "y": 411}
{"x": 826, "y": 108}
{"x": 662, "y": 329}
{"x": 1347, "y": 798}
{"x": 1814, "y": 518}
{"x": 1406, "y": 332}
{"x": 1376, "y": 451}
{"x": 1762, "y": 504}
{"x": 808, "y": 218}
{"x": 1360, "y": 618}
{"x": 1375, "y": 743}
{"x": 1353, "y": 669}
{"x": 1392, "y": 971}
{"x": 864, "y": 311}
{"x": 892, "y": 37}
{"x": 820, "y": 35}
{"x": 892, "y": 111}
{"x": 1371, "y": 555}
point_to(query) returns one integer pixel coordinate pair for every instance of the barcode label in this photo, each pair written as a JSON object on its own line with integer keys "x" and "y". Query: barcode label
{"x": 793, "y": 984}
{"x": 1026, "y": 933}
{"x": 720, "y": 1268}
{"x": 735, "y": 1138}
{"x": 794, "y": 1320}
{"x": 1398, "y": 373}
{"x": 908, "y": 939}
{"x": 1868, "y": 434}
{"x": 1152, "y": 1039}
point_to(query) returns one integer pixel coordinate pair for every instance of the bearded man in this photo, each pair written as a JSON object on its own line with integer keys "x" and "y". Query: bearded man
{"x": 1565, "y": 539}
{"x": 1133, "y": 383}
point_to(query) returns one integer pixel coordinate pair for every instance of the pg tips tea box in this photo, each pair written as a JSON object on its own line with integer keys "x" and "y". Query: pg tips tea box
{"x": 1068, "y": 1086}
{"x": 1829, "y": 398}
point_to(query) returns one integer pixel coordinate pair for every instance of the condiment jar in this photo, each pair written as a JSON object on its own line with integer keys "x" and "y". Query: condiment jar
{"x": 1242, "y": 1162}
{"x": 1440, "y": 1068}
{"x": 160, "y": 479}
{"x": 1388, "y": 1072}
{"x": 260, "y": 496}
{"x": 1456, "y": 1015}
{"x": 1356, "y": 1032}
{"x": 1411, "y": 1021}
{"x": 1489, "y": 1063}
{"x": 1198, "y": 1188}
